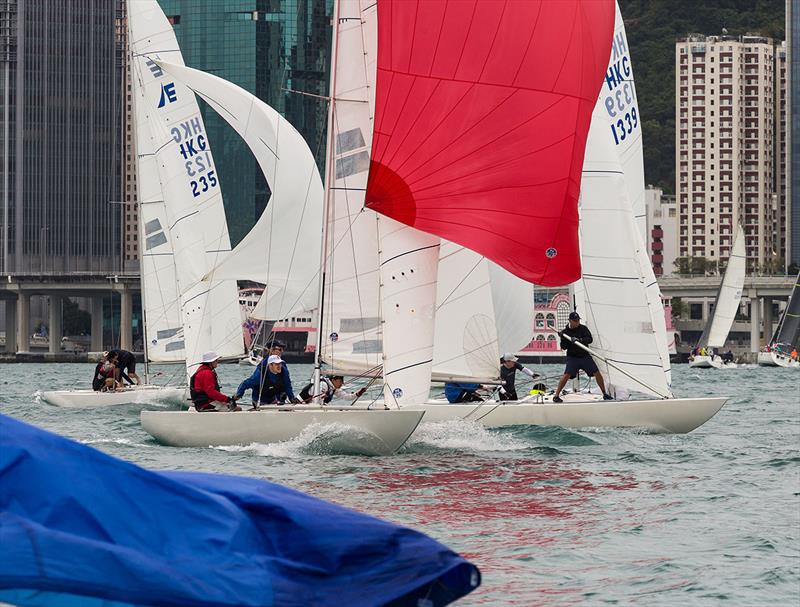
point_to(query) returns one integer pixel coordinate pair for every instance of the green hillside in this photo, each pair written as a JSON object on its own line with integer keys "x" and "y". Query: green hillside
{"x": 653, "y": 26}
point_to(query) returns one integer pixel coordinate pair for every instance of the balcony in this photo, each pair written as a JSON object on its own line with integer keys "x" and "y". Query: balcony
{"x": 657, "y": 233}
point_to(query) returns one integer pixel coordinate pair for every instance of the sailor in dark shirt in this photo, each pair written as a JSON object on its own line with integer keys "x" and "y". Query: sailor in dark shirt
{"x": 126, "y": 366}
{"x": 508, "y": 374}
{"x": 577, "y": 358}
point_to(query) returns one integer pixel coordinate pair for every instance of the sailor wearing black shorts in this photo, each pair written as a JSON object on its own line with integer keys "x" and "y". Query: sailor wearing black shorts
{"x": 126, "y": 365}
{"x": 578, "y": 359}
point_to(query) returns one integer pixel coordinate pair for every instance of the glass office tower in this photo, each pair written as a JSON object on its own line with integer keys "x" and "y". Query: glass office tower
{"x": 61, "y": 109}
{"x": 276, "y": 49}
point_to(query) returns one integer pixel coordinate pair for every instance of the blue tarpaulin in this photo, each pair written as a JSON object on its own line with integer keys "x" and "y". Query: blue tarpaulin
{"x": 79, "y": 527}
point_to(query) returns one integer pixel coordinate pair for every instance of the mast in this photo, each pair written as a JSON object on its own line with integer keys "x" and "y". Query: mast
{"x": 326, "y": 200}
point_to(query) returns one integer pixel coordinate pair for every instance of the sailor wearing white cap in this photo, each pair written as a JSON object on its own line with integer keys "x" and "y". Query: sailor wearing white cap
{"x": 204, "y": 388}
{"x": 269, "y": 383}
{"x": 509, "y": 366}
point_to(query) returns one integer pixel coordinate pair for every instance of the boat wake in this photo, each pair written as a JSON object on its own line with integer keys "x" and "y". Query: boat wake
{"x": 462, "y": 435}
{"x": 315, "y": 439}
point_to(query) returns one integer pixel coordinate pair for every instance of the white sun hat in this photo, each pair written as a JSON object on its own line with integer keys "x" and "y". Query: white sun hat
{"x": 210, "y": 357}
{"x": 274, "y": 360}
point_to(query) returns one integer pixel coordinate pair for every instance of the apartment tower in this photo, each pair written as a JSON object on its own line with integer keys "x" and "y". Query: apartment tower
{"x": 725, "y": 140}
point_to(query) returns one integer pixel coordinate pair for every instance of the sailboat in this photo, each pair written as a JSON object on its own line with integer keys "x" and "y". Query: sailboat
{"x": 727, "y": 303}
{"x": 289, "y": 285}
{"x": 787, "y": 336}
{"x": 170, "y": 255}
{"x": 630, "y": 348}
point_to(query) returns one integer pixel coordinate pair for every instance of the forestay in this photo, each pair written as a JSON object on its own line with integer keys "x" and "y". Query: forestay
{"x": 283, "y": 247}
{"x": 729, "y": 296}
{"x": 193, "y": 207}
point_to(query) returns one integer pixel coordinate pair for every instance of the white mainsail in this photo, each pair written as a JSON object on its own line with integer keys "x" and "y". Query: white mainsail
{"x": 730, "y": 294}
{"x": 352, "y": 338}
{"x": 618, "y": 295}
{"x": 163, "y": 328}
{"x": 193, "y": 212}
{"x": 381, "y": 282}
{"x": 283, "y": 247}
{"x": 621, "y": 106}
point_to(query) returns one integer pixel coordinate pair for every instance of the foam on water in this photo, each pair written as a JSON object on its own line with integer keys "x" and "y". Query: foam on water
{"x": 314, "y": 439}
{"x": 463, "y": 435}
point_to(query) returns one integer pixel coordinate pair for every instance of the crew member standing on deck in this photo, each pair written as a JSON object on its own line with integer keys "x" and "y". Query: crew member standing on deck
{"x": 509, "y": 366}
{"x": 577, "y": 358}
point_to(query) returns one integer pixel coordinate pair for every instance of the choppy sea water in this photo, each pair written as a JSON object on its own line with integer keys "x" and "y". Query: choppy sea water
{"x": 551, "y": 516}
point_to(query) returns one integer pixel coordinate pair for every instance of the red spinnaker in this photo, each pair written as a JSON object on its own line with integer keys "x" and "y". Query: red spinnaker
{"x": 481, "y": 118}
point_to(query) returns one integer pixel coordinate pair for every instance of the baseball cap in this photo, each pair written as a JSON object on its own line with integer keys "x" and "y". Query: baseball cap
{"x": 574, "y": 316}
{"x": 508, "y": 357}
{"x": 274, "y": 360}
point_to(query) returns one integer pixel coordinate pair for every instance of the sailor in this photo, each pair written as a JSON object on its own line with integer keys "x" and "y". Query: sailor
{"x": 276, "y": 349}
{"x": 103, "y": 379}
{"x": 509, "y": 366}
{"x": 204, "y": 389}
{"x": 727, "y": 357}
{"x": 268, "y": 383}
{"x": 457, "y": 392}
{"x": 330, "y": 387}
{"x": 126, "y": 362}
{"x": 794, "y": 354}
{"x": 577, "y": 358}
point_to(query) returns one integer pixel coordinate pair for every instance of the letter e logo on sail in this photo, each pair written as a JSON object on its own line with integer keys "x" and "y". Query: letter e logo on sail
{"x": 168, "y": 94}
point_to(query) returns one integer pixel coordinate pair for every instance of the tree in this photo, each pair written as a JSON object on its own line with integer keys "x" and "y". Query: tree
{"x": 695, "y": 266}
{"x": 76, "y": 321}
{"x": 679, "y": 308}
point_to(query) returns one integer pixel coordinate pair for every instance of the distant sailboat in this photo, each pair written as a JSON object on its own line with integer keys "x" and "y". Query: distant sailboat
{"x": 787, "y": 336}
{"x": 727, "y": 304}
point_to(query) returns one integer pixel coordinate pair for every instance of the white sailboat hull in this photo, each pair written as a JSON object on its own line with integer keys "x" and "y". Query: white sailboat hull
{"x": 379, "y": 431}
{"x": 671, "y": 416}
{"x": 774, "y": 359}
{"x": 708, "y": 362}
{"x": 134, "y": 395}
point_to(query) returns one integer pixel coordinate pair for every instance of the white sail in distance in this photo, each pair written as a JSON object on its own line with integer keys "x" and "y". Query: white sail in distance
{"x": 730, "y": 294}
{"x": 190, "y": 188}
{"x": 283, "y": 247}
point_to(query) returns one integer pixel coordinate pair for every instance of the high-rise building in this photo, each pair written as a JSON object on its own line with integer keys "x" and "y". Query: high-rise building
{"x": 662, "y": 230}
{"x": 793, "y": 132}
{"x": 725, "y": 136}
{"x": 279, "y": 50}
{"x": 781, "y": 228}
{"x": 61, "y": 70}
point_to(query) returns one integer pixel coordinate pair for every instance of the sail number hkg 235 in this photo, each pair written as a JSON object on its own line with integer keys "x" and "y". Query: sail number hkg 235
{"x": 193, "y": 147}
